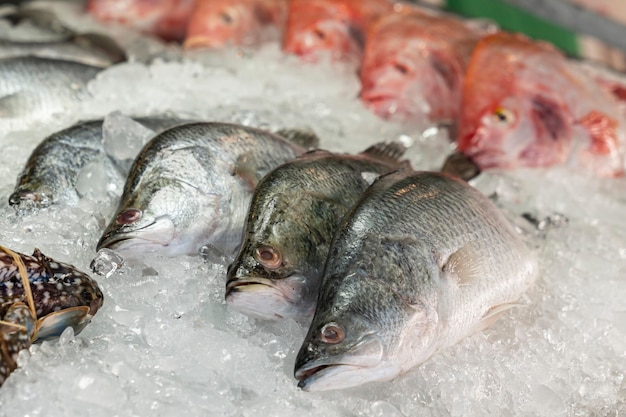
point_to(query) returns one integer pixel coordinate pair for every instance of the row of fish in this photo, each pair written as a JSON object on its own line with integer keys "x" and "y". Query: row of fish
{"x": 39, "y": 299}
{"x": 393, "y": 267}
{"x": 516, "y": 102}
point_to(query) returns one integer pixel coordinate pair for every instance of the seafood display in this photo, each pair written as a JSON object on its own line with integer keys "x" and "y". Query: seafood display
{"x": 421, "y": 261}
{"x": 39, "y": 299}
{"x": 293, "y": 216}
{"x": 525, "y": 105}
{"x": 254, "y": 181}
{"x": 190, "y": 187}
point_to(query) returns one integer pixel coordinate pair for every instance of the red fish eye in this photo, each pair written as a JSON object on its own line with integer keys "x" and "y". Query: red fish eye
{"x": 129, "y": 216}
{"x": 320, "y": 34}
{"x": 226, "y": 18}
{"x": 269, "y": 257}
{"x": 332, "y": 333}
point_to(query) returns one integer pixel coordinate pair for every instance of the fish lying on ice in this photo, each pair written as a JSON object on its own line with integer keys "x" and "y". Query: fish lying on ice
{"x": 335, "y": 28}
{"x": 39, "y": 299}
{"x": 414, "y": 63}
{"x": 191, "y": 186}
{"x": 420, "y": 262}
{"x": 52, "y": 170}
{"x": 525, "y": 105}
{"x": 293, "y": 216}
{"x": 167, "y": 19}
{"x": 218, "y": 23}
{"x": 34, "y": 88}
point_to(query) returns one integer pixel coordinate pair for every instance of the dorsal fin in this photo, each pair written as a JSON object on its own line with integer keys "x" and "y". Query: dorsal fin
{"x": 303, "y": 137}
{"x": 386, "y": 152}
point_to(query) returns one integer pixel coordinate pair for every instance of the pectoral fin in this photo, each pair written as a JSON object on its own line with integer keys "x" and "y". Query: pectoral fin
{"x": 303, "y": 137}
{"x": 246, "y": 169}
{"x": 465, "y": 265}
{"x": 493, "y": 314}
{"x": 53, "y": 324}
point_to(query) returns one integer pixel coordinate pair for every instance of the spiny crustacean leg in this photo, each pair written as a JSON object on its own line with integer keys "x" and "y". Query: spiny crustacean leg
{"x": 18, "y": 324}
{"x": 16, "y": 327}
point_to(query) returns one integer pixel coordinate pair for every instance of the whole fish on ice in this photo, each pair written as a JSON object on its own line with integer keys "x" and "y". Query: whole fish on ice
{"x": 293, "y": 216}
{"x": 190, "y": 186}
{"x": 335, "y": 28}
{"x": 414, "y": 63}
{"x": 39, "y": 298}
{"x": 218, "y": 23}
{"x": 525, "y": 105}
{"x": 34, "y": 88}
{"x": 167, "y": 19}
{"x": 52, "y": 170}
{"x": 420, "y": 262}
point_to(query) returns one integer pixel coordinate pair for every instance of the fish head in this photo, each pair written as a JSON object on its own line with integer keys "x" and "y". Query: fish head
{"x": 219, "y": 23}
{"x": 352, "y": 341}
{"x": 277, "y": 271}
{"x": 320, "y": 28}
{"x": 162, "y": 216}
{"x": 24, "y": 198}
{"x": 510, "y": 114}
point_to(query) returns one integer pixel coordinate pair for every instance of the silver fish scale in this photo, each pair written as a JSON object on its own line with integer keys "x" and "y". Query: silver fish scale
{"x": 35, "y": 87}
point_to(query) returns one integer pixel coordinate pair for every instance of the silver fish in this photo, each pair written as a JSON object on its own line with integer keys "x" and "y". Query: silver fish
{"x": 89, "y": 48}
{"x": 40, "y": 303}
{"x": 191, "y": 186}
{"x": 26, "y": 24}
{"x": 50, "y": 174}
{"x": 422, "y": 261}
{"x": 293, "y": 216}
{"x": 34, "y": 88}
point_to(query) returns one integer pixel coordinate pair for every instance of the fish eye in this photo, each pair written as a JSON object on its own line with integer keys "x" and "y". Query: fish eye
{"x": 401, "y": 68}
{"x": 268, "y": 256}
{"x": 320, "y": 34}
{"x": 503, "y": 115}
{"x": 332, "y": 333}
{"x": 129, "y": 216}
{"x": 227, "y": 18}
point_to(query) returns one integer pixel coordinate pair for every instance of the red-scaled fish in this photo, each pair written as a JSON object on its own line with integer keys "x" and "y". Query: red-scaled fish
{"x": 414, "y": 63}
{"x": 525, "y": 105}
{"x": 332, "y": 27}
{"x": 217, "y": 23}
{"x": 164, "y": 18}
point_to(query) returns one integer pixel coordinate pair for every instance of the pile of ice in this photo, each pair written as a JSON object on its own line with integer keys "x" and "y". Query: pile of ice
{"x": 165, "y": 343}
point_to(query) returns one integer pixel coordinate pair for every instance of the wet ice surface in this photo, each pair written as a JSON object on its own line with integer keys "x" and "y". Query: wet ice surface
{"x": 165, "y": 342}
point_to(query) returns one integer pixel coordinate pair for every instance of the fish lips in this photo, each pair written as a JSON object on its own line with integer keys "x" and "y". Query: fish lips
{"x": 268, "y": 299}
{"x": 150, "y": 237}
{"x": 348, "y": 370}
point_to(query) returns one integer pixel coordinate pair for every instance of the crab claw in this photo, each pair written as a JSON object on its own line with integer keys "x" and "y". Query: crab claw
{"x": 53, "y": 324}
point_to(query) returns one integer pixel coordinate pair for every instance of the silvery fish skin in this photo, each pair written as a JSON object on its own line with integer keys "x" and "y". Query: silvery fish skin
{"x": 191, "y": 186}
{"x": 421, "y": 261}
{"x": 51, "y": 172}
{"x": 63, "y": 296}
{"x": 36, "y": 88}
{"x": 294, "y": 214}
{"x": 90, "y": 49}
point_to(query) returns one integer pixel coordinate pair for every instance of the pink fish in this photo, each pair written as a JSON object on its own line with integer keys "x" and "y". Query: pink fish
{"x": 333, "y": 27}
{"x": 414, "y": 64}
{"x": 217, "y": 23}
{"x": 525, "y": 105}
{"x": 164, "y": 18}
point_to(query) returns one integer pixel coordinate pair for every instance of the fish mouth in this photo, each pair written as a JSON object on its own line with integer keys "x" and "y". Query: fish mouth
{"x": 269, "y": 299}
{"x": 310, "y": 378}
{"x": 150, "y": 237}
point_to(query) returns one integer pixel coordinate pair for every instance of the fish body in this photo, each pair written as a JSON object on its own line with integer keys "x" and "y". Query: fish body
{"x": 525, "y": 105}
{"x": 52, "y": 170}
{"x": 294, "y": 213}
{"x": 333, "y": 27}
{"x": 420, "y": 262}
{"x": 90, "y": 49}
{"x": 33, "y": 88}
{"x": 166, "y": 19}
{"x": 218, "y": 23}
{"x": 190, "y": 186}
{"x": 414, "y": 64}
{"x": 62, "y": 297}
